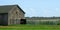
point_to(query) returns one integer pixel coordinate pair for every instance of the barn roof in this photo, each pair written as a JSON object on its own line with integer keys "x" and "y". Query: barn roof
{"x": 7, "y": 8}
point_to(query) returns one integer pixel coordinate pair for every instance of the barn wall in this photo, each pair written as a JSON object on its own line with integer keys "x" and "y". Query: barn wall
{"x": 15, "y": 15}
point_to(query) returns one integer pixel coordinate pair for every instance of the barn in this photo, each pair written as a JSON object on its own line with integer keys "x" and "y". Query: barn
{"x": 11, "y": 14}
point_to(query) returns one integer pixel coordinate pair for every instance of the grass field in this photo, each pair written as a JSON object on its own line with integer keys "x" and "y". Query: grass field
{"x": 30, "y": 27}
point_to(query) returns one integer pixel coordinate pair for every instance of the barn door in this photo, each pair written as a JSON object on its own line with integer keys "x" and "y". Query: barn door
{"x": 5, "y": 19}
{"x": 1, "y": 19}
{"x": 23, "y": 21}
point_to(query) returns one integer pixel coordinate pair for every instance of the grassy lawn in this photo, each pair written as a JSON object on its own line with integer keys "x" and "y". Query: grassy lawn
{"x": 30, "y": 27}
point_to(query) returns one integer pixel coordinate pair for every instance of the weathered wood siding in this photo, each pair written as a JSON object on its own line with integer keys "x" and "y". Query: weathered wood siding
{"x": 15, "y": 15}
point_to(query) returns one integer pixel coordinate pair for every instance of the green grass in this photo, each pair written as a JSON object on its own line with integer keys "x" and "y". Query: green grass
{"x": 30, "y": 27}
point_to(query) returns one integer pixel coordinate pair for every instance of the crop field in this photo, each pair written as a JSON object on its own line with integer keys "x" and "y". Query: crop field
{"x": 30, "y": 27}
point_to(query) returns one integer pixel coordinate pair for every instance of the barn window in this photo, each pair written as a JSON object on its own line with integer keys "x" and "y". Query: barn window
{"x": 17, "y": 13}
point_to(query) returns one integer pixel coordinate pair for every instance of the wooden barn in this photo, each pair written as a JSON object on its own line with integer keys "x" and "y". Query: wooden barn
{"x": 11, "y": 14}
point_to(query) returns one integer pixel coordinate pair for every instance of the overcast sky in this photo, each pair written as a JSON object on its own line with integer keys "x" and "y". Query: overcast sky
{"x": 45, "y": 8}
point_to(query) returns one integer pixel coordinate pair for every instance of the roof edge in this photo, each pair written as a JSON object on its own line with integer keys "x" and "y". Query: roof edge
{"x": 20, "y": 8}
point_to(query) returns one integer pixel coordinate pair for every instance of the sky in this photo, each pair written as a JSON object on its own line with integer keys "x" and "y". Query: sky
{"x": 37, "y": 8}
